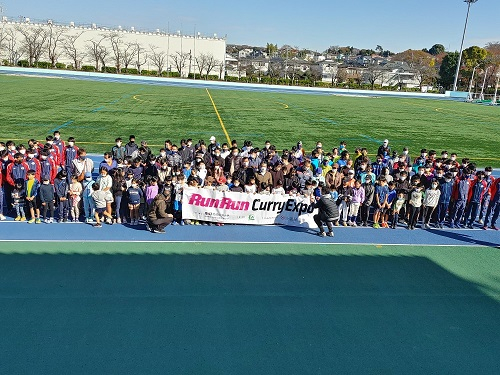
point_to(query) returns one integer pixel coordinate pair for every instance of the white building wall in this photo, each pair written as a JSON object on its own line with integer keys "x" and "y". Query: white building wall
{"x": 168, "y": 43}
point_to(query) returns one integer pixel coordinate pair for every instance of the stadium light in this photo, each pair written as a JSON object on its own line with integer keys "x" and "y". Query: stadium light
{"x": 469, "y": 2}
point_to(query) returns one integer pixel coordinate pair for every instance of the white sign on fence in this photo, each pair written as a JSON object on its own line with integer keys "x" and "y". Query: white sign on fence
{"x": 242, "y": 208}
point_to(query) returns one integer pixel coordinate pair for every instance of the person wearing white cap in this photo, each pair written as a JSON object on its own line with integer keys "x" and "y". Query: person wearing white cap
{"x": 212, "y": 146}
{"x": 384, "y": 149}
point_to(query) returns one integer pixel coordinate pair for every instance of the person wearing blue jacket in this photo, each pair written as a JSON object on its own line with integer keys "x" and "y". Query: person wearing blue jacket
{"x": 47, "y": 198}
{"x": 61, "y": 187}
{"x": 446, "y": 187}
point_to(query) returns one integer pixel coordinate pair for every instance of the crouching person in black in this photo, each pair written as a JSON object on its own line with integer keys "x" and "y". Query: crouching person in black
{"x": 328, "y": 212}
{"x": 160, "y": 212}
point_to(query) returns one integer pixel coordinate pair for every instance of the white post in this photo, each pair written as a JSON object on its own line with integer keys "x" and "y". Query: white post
{"x": 481, "y": 97}
{"x": 469, "y": 95}
{"x": 494, "y": 101}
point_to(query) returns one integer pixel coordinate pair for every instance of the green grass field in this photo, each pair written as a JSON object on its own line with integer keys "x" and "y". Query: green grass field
{"x": 95, "y": 113}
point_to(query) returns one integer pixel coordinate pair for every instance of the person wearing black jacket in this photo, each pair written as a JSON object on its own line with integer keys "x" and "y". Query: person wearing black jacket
{"x": 328, "y": 212}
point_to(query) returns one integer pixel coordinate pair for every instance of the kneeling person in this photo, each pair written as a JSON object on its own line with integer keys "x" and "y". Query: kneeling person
{"x": 328, "y": 212}
{"x": 160, "y": 212}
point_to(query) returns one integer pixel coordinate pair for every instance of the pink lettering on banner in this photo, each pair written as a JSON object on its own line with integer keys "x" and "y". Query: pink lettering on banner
{"x": 224, "y": 203}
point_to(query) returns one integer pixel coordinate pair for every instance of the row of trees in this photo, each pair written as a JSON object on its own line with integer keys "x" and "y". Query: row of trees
{"x": 54, "y": 43}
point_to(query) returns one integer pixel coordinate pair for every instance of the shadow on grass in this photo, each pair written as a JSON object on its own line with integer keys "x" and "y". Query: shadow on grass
{"x": 242, "y": 314}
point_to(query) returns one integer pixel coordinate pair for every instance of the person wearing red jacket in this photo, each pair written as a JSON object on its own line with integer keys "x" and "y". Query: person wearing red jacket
{"x": 59, "y": 144}
{"x": 494, "y": 206}
{"x": 69, "y": 154}
{"x": 475, "y": 195}
{"x": 16, "y": 171}
{"x": 2, "y": 217}
{"x": 33, "y": 163}
{"x": 48, "y": 166}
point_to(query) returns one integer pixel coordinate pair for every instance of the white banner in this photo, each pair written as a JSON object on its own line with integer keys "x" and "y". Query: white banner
{"x": 241, "y": 208}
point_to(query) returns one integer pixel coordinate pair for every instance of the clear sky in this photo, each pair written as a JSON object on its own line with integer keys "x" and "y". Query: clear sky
{"x": 394, "y": 24}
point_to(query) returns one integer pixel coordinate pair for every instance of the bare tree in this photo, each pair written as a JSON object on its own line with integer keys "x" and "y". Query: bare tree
{"x": 342, "y": 75}
{"x": 94, "y": 51}
{"x": 54, "y": 39}
{"x": 158, "y": 58}
{"x": 128, "y": 54}
{"x": 180, "y": 60}
{"x": 141, "y": 57}
{"x": 201, "y": 62}
{"x": 372, "y": 74}
{"x": 71, "y": 50}
{"x": 13, "y": 51}
{"x": 116, "y": 46}
{"x": 211, "y": 64}
{"x": 222, "y": 67}
{"x": 32, "y": 42}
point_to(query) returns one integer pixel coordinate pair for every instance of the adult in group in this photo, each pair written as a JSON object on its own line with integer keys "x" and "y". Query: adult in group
{"x": 160, "y": 213}
{"x": 328, "y": 212}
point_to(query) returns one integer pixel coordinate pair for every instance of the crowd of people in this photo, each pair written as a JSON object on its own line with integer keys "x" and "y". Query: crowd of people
{"x": 53, "y": 179}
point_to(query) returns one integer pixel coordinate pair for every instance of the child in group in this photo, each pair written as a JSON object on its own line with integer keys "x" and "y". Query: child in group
{"x": 135, "y": 194}
{"x": 75, "y": 193}
{"x": 88, "y": 202}
{"x": 358, "y": 197}
{"x": 279, "y": 188}
{"x": 31, "y": 187}
{"x": 345, "y": 195}
{"x": 397, "y": 205}
{"x": 380, "y": 201}
{"x": 62, "y": 194}
{"x": 430, "y": 202}
{"x": 18, "y": 199}
{"x": 47, "y": 198}
{"x": 391, "y": 196}
{"x": 100, "y": 199}
{"x": 250, "y": 187}
{"x": 414, "y": 204}
{"x": 177, "y": 204}
{"x": 445, "y": 186}
{"x": 367, "y": 203}
{"x": 151, "y": 190}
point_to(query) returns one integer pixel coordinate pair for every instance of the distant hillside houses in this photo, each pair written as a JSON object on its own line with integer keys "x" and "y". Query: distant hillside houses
{"x": 334, "y": 69}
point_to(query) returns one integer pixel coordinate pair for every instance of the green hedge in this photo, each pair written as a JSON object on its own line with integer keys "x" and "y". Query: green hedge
{"x": 109, "y": 69}
{"x": 88, "y": 68}
{"x": 60, "y": 66}
{"x": 130, "y": 71}
{"x": 23, "y": 63}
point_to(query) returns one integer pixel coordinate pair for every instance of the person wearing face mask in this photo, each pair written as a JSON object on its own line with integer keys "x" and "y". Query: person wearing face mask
{"x": 69, "y": 153}
{"x": 487, "y": 195}
{"x": 430, "y": 202}
{"x": 109, "y": 163}
{"x": 187, "y": 151}
{"x": 232, "y": 162}
{"x": 118, "y": 151}
{"x": 245, "y": 172}
{"x": 131, "y": 147}
{"x": 174, "y": 159}
{"x": 494, "y": 206}
{"x": 378, "y": 165}
{"x": 88, "y": 202}
{"x": 82, "y": 164}
{"x": 54, "y": 150}
{"x": 476, "y": 192}
{"x": 414, "y": 204}
{"x": 460, "y": 195}
{"x": 106, "y": 184}
{"x": 384, "y": 149}
{"x": 446, "y": 187}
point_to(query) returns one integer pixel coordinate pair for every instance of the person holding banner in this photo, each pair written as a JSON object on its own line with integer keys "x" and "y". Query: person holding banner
{"x": 328, "y": 212}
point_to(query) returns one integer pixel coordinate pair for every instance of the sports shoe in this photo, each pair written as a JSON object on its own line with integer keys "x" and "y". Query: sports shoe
{"x": 480, "y": 222}
{"x": 484, "y": 227}
{"x": 427, "y": 226}
{"x": 148, "y": 228}
{"x": 182, "y": 223}
{"x": 97, "y": 225}
{"x": 175, "y": 223}
{"x": 31, "y": 221}
{"x": 376, "y": 225}
{"x": 321, "y": 234}
{"x": 2, "y": 217}
{"x": 159, "y": 231}
{"x": 353, "y": 223}
{"x": 330, "y": 234}
{"x": 494, "y": 227}
{"x": 51, "y": 220}
{"x": 119, "y": 220}
{"x": 18, "y": 218}
{"x": 46, "y": 221}
{"x": 23, "y": 218}
{"x": 38, "y": 221}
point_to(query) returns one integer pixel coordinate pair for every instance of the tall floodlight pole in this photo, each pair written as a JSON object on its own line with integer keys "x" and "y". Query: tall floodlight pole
{"x": 469, "y": 2}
